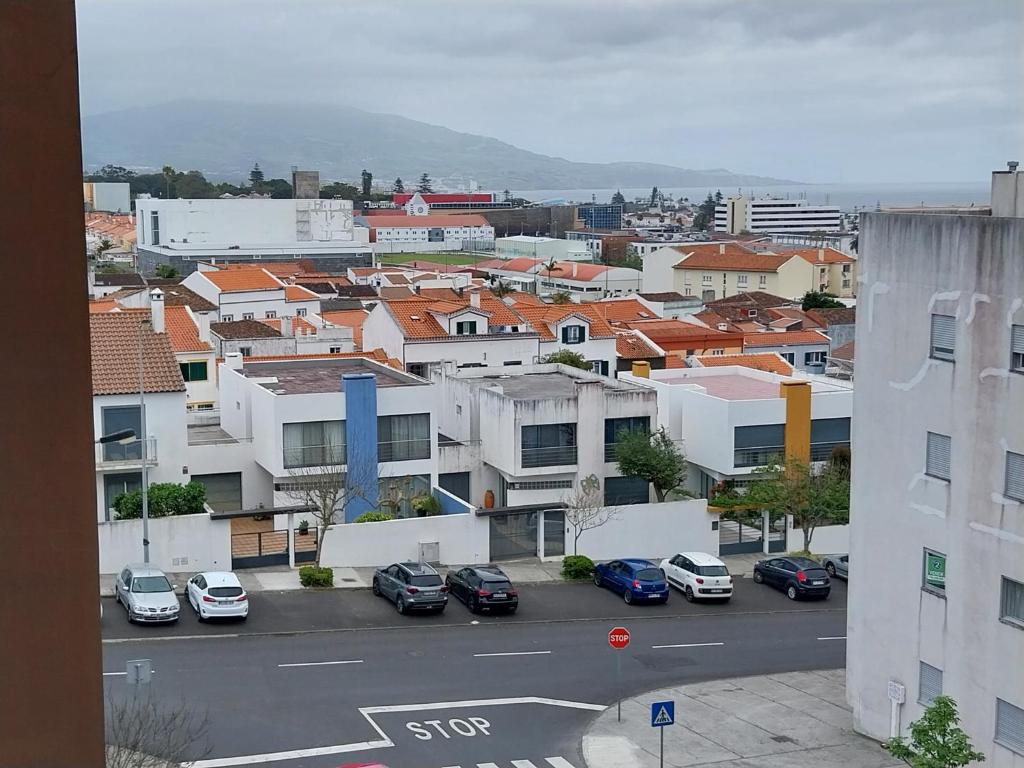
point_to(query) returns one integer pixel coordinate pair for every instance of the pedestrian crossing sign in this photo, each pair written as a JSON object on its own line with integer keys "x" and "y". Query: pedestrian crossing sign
{"x": 663, "y": 713}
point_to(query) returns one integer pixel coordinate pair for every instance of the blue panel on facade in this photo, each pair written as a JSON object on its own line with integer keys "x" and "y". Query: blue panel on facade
{"x": 361, "y": 479}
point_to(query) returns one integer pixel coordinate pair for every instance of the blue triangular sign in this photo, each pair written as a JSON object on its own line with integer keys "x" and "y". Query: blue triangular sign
{"x": 663, "y": 717}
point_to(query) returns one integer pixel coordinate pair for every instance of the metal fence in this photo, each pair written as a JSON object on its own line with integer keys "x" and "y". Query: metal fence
{"x": 551, "y": 456}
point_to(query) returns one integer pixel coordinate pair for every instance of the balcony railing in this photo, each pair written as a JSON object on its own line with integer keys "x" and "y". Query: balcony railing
{"x": 205, "y": 418}
{"x": 128, "y": 455}
{"x": 314, "y": 456}
{"x": 551, "y": 456}
{"x": 766, "y": 455}
{"x": 403, "y": 450}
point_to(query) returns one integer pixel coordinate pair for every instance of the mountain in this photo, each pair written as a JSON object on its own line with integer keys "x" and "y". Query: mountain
{"x": 223, "y": 140}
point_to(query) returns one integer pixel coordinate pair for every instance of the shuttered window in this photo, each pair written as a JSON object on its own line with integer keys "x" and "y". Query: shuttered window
{"x": 1014, "y": 476}
{"x": 943, "y": 339}
{"x": 1011, "y": 602}
{"x": 930, "y": 684}
{"x": 1017, "y": 348}
{"x": 1010, "y": 726}
{"x": 937, "y": 458}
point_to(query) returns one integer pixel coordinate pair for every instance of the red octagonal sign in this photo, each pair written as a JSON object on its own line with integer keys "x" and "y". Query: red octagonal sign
{"x": 618, "y": 637}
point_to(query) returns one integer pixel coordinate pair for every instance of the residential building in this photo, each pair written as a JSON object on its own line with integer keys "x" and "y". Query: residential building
{"x": 670, "y": 304}
{"x": 680, "y": 340}
{"x": 608, "y": 247}
{"x": 420, "y": 233}
{"x": 937, "y": 505}
{"x": 600, "y": 215}
{"x": 804, "y": 350}
{"x": 742, "y": 214}
{"x": 183, "y": 233}
{"x": 189, "y": 336}
{"x": 281, "y": 336}
{"x": 251, "y": 293}
{"x": 532, "y": 435}
{"x": 582, "y": 281}
{"x": 580, "y": 328}
{"x": 720, "y": 270}
{"x": 107, "y": 196}
{"x": 544, "y": 248}
{"x": 772, "y": 362}
{"x": 838, "y": 324}
{"x": 633, "y": 347}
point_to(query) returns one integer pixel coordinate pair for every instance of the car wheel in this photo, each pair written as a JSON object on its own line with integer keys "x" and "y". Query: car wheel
{"x": 758, "y": 578}
{"x": 791, "y": 592}
{"x": 473, "y": 605}
{"x": 688, "y": 593}
{"x": 512, "y": 609}
{"x": 399, "y": 604}
{"x": 830, "y": 569}
{"x": 598, "y": 581}
{"x": 376, "y": 588}
{"x": 627, "y": 595}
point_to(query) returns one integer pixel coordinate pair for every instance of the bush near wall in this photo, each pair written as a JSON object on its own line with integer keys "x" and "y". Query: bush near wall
{"x": 315, "y": 576}
{"x": 577, "y": 567}
{"x": 165, "y": 500}
{"x": 374, "y": 516}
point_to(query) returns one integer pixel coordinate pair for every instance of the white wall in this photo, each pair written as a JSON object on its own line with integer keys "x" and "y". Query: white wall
{"x": 381, "y": 330}
{"x": 176, "y": 544}
{"x": 658, "y": 273}
{"x": 826, "y": 539}
{"x": 650, "y": 531}
{"x": 491, "y": 350}
{"x": 463, "y": 539}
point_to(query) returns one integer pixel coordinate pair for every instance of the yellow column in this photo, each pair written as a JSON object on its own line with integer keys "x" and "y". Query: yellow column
{"x": 797, "y": 395}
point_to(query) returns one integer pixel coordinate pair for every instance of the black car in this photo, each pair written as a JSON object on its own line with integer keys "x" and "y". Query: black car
{"x": 483, "y": 587}
{"x": 796, "y": 576}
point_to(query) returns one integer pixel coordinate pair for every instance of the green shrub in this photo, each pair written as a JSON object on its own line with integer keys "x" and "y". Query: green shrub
{"x": 577, "y": 567}
{"x": 165, "y": 499}
{"x": 315, "y": 576}
{"x": 805, "y": 553}
{"x": 426, "y": 505}
{"x": 374, "y": 516}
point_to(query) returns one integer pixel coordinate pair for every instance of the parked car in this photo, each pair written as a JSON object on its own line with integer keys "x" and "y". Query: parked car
{"x": 217, "y": 594}
{"x": 837, "y": 565}
{"x": 146, "y": 594}
{"x": 483, "y": 587}
{"x": 796, "y": 576}
{"x": 411, "y": 586}
{"x": 639, "y": 580}
{"x": 699, "y": 576}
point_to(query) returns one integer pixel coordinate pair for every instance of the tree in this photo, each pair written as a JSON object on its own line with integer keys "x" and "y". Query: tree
{"x": 705, "y": 215}
{"x": 936, "y": 740}
{"x": 568, "y": 357}
{"x": 632, "y": 261}
{"x": 367, "y": 179}
{"x": 192, "y": 185}
{"x": 339, "y": 190}
{"x": 111, "y": 173}
{"x": 142, "y": 732}
{"x": 507, "y": 196}
{"x": 561, "y": 297}
{"x": 166, "y": 271}
{"x": 585, "y": 509}
{"x": 501, "y": 289}
{"x": 255, "y": 176}
{"x": 425, "y": 184}
{"x": 398, "y": 187}
{"x": 654, "y": 196}
{"x": 651, "y": 456}
{"x": 104, "y": 245}
{"x": 278, "y": 189}
{"x": 618, "y": 197}
{"x": 718, "y": 197}
{"x": 820, "y": 300}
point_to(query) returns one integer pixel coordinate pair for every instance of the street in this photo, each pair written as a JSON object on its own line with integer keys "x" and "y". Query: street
{"x": 324, "y": 679}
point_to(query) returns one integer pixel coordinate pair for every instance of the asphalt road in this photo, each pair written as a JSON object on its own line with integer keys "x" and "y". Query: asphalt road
{"x": 439, "y": 691}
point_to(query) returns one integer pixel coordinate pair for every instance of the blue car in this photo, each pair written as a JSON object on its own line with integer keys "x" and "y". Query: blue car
{"x": 637, "y": 580}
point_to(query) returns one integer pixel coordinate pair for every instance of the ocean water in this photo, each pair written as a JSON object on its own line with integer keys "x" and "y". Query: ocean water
{"x": 849, "y": 197}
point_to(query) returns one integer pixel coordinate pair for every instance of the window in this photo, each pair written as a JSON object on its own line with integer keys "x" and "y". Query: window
{"x": 741, "y": 281}
{"x": 943, "y": 337}
{"x": 762, "y": 281}
{"x": 1011, "y": 602}
{"x": 935, "y": 572}
{"x": 789, "y": 357}
{"x": 814, "y": 358}
{"x": 626, "y": 490}
{"x": 245, "y": 351}
{"x": 717, "y": 352}
{"x": 227, "y": 318}
{"x": 599, "y": 366}
{"x": 827, "y": 434}
{"x": 615, "y": 427}
{"x": 465, "y": 328}
{"x": 512, "y": 362}
{"x": 1014, "y": 487}
{"x": 1017, "y": 348}
{"x": 929, "y": 684}
{"x": 300, "y": 312}
{"x": 154, "y": 227}
{"x": 115, "y": 419}
{"x": 1010, "y": 726}
{"x": 705, "y": 279}
{"x": 756, "y": 445}
{"x": 405, "y": 437}
{"x": 270, "y": 314}
{"x": 548, "y": 445}
{"x": 335, "y": 350}
{"x": 194, "y": 370}
{"x": 314, "y": 444}
{"x": 574, "y": 334}
{"x": 115, "y": 485}
{"x": 937, "y": 455}
{"x": 247, "y": 315}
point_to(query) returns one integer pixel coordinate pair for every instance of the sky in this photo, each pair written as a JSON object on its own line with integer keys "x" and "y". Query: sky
{"x": 838, "y": 91}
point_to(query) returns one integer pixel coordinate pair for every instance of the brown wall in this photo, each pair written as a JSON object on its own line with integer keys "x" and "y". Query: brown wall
{"x": 51, "y": 689}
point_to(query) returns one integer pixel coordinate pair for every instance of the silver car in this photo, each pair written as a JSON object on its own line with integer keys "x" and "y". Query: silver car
{"x": 146, "y": 594}
{"x": 411, "y": 586}
{"x": 837, "y": 565}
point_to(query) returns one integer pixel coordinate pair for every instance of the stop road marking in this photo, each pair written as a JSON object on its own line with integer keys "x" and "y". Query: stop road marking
{"x": 471, "y": 726}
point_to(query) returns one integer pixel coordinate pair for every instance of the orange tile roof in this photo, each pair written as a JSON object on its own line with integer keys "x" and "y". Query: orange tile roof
{"x": 501, "y": 313}
{"x": 622, "y": 310}
{"x": 584, "y": 272}
{"x": 777, "y": 338}
{"x": 377, "y": 355}
{"x": 828, "y": 256}
{"x": 674, "y": 361}
{"x": 229, "y": 280}
{"x": 351, "y": 318}
{"x": 518, "y": 264}
{"x": 299, "y": 323}
{"x": 414, "y": 319}
{"x": 298, "y": 293}
{"x": 115, "y": 339}
{"x": 280, "y": 269}
{"x": 735, "y": 257}
{"x": 182, "y": 331}
{"x": 761, "y": 361}
{"x": 543, "y": 316}
{"x": 102, "y": 305}
{"x": 439, "y": 293}
{"x": 630, "y": 345}
{"x": 426, "y": 325}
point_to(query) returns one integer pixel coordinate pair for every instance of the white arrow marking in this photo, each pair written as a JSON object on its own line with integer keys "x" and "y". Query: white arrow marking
{"x": 687, "y": 645}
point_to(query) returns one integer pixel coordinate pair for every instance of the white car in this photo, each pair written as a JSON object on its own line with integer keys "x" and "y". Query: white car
{"x": 699, "y": 576}
{"x": 217, "y": 594}
{"x": 146, "y": 594}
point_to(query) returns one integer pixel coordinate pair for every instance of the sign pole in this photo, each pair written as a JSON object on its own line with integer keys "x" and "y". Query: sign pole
{"x": 661, "y": 758}
{"x": 618, "y": 639}
{"x": 618, "y": 686}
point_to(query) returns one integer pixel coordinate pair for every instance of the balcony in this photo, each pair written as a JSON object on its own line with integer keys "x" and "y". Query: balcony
{"x": 763, "y": 456}
{"x": 550, "y": 456}
{"x": 127, "y": 456}
{"x": 403, "y": 450}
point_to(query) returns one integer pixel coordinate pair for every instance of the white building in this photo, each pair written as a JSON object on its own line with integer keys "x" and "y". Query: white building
{"x": 184, "y": 232}
{"x": 107, "y": 196}
{"x": 419, "y": 233}
{"x": 581, "y": 280}
{"x": 532, "y": 435}
{"x": 747, "y": 214}
{"x": 246, "y": 292}
{"x": 546, "y": 248}
{"x": 936, "y": 602}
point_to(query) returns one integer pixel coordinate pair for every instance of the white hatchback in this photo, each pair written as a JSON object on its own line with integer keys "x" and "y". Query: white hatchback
{"x": 699, "y": 576}
{"x": 217, "y": 594}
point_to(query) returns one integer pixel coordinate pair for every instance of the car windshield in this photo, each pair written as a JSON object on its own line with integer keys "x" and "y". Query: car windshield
{"x": 649, "y": 574}
{"x": 427, "y": 580}
{"x": 497, "y": 586}
{"x": 151, "y": 584}
{"x": 714, "y": 570}
{"x": 225, "y": 591}
{"x": 815, "y": 573}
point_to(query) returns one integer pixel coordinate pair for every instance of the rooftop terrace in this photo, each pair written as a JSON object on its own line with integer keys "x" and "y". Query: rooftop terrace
{"x": 299, "y": 377}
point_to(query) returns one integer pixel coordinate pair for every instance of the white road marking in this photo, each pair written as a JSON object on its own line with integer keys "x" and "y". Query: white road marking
{"x": 512, "y": 653}
{"x": 833, "y": 638}
{"x": 519, "y": 764}
{"x": 483, "y": 703}
{"x": 294, "y": 754}
{"x": 123, "y": 674}
{"x": 687, "y": 645}
{"x": 321, "y": 663}
{"x": 495, "y": 765}
{"x": 559, "y": 762}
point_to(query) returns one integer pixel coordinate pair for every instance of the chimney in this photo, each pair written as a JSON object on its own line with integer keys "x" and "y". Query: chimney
{"x": 642, "y": 369}
{"x": 574, "y": 268}
{"x": 474, "y": 299}
{"x": 461, "y": 289}
{"x": 233, "y": 360}
{"x": 156, "y": 308}
{"x": 821, "y": 254}
{"x": 416, "y": 288}
{"x": 721, "y": 248}
{"x": 203, "y": 325}
{"x": 286, "y": 326}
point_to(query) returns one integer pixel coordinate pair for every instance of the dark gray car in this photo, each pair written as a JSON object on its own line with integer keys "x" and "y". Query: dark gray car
{"x": 411, "y": 586}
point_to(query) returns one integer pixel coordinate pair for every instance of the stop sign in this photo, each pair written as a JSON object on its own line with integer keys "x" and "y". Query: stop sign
{"x": 618, "y": 637}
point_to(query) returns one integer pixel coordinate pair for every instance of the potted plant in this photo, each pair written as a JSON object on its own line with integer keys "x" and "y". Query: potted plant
{"x": 303, "y": 527}
{"x": 426, "y": 505}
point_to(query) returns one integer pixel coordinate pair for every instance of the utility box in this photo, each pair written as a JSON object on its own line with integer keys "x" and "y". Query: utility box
{"x": 430, "y": 552}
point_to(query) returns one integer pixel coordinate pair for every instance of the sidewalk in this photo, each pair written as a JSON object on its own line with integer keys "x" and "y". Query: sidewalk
{"x": 797, "y": 719}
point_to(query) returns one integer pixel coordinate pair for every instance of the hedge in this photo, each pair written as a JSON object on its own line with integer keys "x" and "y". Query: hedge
{"x": 315, "y": 576}
{"x": 374, "y": 516}
{"x": 577, "y": 567}
{"x": 165, "y": 500}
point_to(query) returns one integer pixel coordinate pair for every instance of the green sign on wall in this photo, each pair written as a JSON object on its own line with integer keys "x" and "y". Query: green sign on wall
{"x": 935, "y": 570}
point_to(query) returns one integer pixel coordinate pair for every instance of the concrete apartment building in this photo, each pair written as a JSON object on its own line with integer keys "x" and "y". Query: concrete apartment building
{"x": 545, "y": 248}
{"x": 936, "y": 601}
{"x": 741, "y": 214}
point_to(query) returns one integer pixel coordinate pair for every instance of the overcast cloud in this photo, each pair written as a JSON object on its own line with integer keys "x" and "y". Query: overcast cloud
{"x": 816, "y": 90}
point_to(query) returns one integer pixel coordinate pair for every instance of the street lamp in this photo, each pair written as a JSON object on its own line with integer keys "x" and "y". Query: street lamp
{"x": 121, "y": 437}
{"x": 144, "y": 325}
